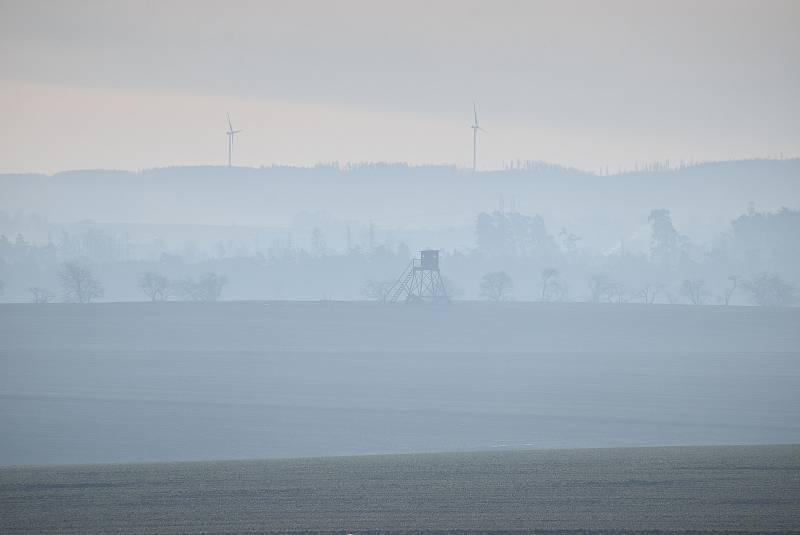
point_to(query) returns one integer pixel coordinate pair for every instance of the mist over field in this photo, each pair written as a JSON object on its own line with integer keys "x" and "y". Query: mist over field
{"x": 730, "y": 230}
{"x": 442, "y": 267}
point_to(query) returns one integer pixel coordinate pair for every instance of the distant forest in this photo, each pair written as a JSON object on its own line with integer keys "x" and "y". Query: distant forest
{"x": 600, "y": 208}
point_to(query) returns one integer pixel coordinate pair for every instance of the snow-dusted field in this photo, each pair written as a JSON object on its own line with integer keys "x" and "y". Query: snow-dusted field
{"x": 178, "y": 381}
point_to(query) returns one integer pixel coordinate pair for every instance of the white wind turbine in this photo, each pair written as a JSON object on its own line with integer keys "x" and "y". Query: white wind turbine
{"x": 475, "y": 127}
{"x": 231, "y": 132}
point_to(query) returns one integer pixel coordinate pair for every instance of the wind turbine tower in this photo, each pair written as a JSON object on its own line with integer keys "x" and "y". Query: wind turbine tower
{"x": 475, "y": 127}
{"x": 231, "y": 132}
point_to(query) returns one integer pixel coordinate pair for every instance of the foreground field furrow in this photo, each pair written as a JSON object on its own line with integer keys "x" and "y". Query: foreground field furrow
{"x": 636, "y": 490}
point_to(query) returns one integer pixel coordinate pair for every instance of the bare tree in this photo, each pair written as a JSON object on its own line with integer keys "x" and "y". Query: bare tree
{"x": 376, "y": 289}
{"x": 41, "y": 295}
{"x": 648, "y": 293}
{"x": 618, "y": 293}
{"x": 729, "y": 291}
{"x": 549, "y": 281}
{"x": 154, "y": 286}
{"x": 770, "y": 290}
{"x": 605, "y": 289}
{"x": 318, "y": 242}
{"x": 598, "y": 288}
{"x": 552, "y": 288}
{"x": 559, "y": 291}
{"x": 694, "y": 290}
{"x": 211, "y": 286}
{"x": 208, "y": 288}
{"x": 497, "y": 286}
{"x": 79, "y": 283}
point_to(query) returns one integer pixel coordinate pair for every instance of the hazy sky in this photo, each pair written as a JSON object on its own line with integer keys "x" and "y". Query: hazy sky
{"x": 142, "y": 84}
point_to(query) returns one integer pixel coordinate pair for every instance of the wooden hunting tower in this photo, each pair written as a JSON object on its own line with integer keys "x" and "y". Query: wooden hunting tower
{"x": 420, "y": 282}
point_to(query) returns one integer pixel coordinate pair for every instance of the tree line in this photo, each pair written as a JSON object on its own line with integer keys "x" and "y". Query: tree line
{"x": 79, "y": 284}
{"x": 763, "y": 289}
{"x": 515, "y": 256}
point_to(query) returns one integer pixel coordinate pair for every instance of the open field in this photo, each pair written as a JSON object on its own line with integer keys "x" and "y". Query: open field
{"x": 134, "y": 382}
{"x": 739, "y": 489}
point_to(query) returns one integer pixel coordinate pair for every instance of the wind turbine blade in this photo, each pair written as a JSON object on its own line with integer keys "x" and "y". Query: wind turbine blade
{"x": 236, "y": 131}
{"x": 229, "y": 122}
{"x": 475, "y": 111}
{"x": 482, "y": 130}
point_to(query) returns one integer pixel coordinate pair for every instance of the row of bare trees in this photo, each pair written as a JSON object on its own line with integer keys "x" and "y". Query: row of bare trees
{"x": 764, "y": 289}
{"x": 158, "y": 288}
{"x": 79, "y": 284}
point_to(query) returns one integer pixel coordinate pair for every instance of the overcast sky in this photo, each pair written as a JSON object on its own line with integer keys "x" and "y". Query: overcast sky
{"x": 143, "y": 84}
